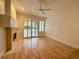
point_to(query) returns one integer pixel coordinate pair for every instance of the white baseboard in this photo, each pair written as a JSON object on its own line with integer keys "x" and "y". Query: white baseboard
{"x": 2, "y": 53}
{"x": 57, "y": 39}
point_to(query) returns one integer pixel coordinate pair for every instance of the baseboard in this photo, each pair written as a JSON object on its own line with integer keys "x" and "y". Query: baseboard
{"x": 57, "y": 39}
{"x": 2, "y": 53}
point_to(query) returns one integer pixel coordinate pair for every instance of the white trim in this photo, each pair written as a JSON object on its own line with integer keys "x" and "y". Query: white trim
{"x": 74, "y": 46}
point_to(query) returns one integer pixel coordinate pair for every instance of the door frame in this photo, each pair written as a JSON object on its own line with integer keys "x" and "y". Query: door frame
{"x": 32, "y": 28}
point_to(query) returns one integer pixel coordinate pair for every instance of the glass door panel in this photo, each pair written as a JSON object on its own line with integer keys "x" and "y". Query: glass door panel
{"x": 29, "y": 28}
{"x": 34, "y": 28}
{"x": 41, "y": 25}
{"x": 33, "y": 32}
{"x": 36, "y": 33}
{"x": 25, "y": 32}
{"x": 25, "y": 28}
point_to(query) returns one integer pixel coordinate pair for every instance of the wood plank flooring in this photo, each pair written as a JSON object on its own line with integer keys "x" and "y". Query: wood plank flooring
{"x": 41, "y": 48}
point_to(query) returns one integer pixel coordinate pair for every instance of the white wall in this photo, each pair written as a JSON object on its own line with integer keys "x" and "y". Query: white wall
{"x": 13, "y": 11}
{"x": 2, "y": 41}
{"x": 63, "y": 22}
{"x": 2, "y": 7}
{"x": 20, "y": 22}
{"x": 13, "y": 16}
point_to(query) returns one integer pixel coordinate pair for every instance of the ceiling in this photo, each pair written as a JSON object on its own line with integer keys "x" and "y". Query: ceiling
{"x": 29, "y": 6}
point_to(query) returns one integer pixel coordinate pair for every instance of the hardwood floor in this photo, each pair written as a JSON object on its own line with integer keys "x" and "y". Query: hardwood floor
{"x": 41, "y": 48}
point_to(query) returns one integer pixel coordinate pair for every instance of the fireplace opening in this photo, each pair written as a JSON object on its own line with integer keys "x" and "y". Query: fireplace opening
{"x": 14, "y": 36}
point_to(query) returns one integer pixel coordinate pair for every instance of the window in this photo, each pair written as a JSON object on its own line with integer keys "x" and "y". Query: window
{"x": 41, "y": 25}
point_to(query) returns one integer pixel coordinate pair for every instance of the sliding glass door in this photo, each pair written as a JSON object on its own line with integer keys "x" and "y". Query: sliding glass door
{"x": 30, "y": 28}
{"x": 33, "y": 27}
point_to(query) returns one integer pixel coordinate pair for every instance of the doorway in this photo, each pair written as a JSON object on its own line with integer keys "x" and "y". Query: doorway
{"x": 32, "y": 27}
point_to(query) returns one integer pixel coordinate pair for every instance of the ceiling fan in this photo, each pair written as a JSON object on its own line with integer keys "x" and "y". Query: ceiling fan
{"x": 43, "y": 9}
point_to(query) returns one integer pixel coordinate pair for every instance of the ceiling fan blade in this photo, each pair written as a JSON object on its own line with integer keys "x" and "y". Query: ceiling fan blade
{"x": 43, "y": 12}
{"x": 44, "y": 9}
{"x": 47, "y": 9}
